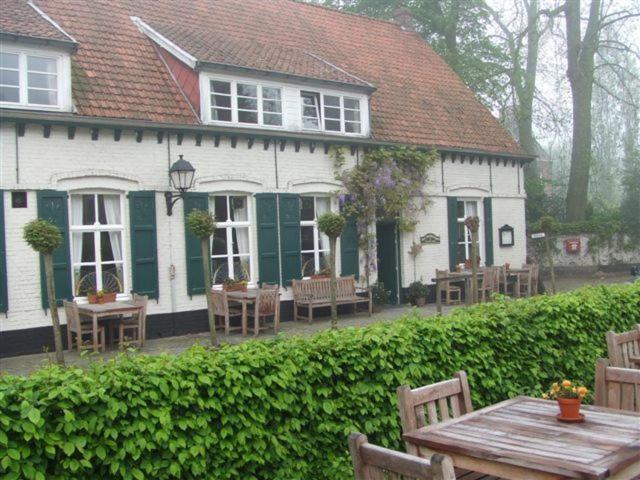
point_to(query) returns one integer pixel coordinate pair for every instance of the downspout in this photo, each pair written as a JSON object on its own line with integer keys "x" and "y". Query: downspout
{"x": 172, "y": 267}
{"x": 17, "y": 157}
{"x": 275, "y": 161}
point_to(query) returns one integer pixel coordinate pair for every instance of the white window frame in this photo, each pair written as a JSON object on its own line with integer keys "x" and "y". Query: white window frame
{"x": 229, "y": 233}
{"x": 207, "y": 107}
{"x": 322, "y": 119}
{"x": 467, "y": 238}
{"x": 97, "y": 229}
{"x": 316, "y": 232}
{"x": 63, "y": 80}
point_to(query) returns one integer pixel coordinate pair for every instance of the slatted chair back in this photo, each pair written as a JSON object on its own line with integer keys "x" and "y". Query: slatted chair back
{"x": 143, "y": 301}
{"x": 489, "y": 278}
{"x": 73, "y": 317}
{"x": 315, "y": 288}
{"x": 220, "y": 302}
{"x": 617, "y": 388}
{"x": 371, "y": 462}
{"x": 526, "y": 279}
{"x": 346, "y": 287}
{"x": 623, "y": 347}
{"x": 267, "y": 300}
{"x": 446, "y": 286}
{"x": 442, "y": 401}
{"x": 535, "y": 273}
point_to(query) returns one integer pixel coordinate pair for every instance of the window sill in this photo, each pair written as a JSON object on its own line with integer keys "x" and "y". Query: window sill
{"x": 47, "y": 108}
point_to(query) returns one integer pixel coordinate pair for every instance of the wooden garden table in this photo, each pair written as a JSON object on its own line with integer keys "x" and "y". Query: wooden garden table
{"x": 245, "y": 299}
{"x": 521, "y": 439}
{"x": 100, "y": 310}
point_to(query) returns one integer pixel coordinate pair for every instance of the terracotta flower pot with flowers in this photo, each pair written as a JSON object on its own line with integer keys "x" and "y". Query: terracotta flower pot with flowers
{"x": 569, "y": 396}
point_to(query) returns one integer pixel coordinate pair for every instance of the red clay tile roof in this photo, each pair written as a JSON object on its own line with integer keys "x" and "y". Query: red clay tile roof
{"x": 419, "y": 99}
{"x": 19, "y": 18}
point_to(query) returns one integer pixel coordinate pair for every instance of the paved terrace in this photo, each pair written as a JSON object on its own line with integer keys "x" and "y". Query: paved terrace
{"x": 27, "y": 363}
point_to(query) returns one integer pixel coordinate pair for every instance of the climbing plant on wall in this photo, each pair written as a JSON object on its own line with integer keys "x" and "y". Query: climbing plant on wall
{"x": 388, "y": 184}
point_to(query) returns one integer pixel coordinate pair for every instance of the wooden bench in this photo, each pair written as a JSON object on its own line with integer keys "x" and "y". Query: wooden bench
{"x": 314, "y": 293}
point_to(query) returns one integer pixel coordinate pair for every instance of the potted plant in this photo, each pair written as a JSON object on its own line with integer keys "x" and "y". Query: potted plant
{"x": 417, "y": 294}
{"x": 233, "y": 285}
{"x": 379, "y": 295}
{"x": 569, "y": 396}
{"x": 106, "y": 296}
{"x": 325, "y": 272}
{"x": 92, "y": 295}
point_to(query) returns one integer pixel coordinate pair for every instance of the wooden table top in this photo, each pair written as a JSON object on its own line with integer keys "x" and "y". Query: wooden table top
{"x": 110, "y": 307}
{"x": 524, "y": 432}
{"x": 250, "y": 294}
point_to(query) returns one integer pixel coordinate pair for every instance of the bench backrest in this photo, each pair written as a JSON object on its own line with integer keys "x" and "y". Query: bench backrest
{"x": 371, "y": 462}
{"x": 319, "y": 288}
{"x": 617, "y": 388}
{"x": 622, "y": 346}
{"x": 443, "y": 400}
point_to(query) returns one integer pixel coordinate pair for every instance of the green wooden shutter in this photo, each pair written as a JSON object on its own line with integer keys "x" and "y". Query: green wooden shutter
{"x": 289, "y": 216}
{"x": 349, "y": 259}
{"x": 52, "y": 206}
{"x": 4, "y": 305}
{"x": 452, "y": 215}
{"x": 267, "y": 219}
{"x": 144, "y": 244}
{"x": 195, "y": 274}
{"x": 488, "y": 231}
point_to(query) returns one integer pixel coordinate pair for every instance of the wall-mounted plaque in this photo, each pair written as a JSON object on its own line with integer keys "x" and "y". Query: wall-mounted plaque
{"x": 429, "y": 238}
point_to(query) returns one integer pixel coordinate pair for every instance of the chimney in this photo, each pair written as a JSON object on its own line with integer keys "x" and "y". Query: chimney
{"x": 403, "y": 17}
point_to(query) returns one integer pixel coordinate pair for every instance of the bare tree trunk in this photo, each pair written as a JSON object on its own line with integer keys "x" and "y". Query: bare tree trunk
{"x": 206, "y": 264}
{"x": 549, "y": 254}
{"x": 580, "y": 71}
{"x": 333, "y": 282}
{"x": 474, "y": 266}
{"x": 53, "y": 306}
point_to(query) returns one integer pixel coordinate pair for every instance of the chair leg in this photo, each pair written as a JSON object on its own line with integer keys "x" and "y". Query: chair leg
{"x": 227, "y": 325}
{"x": 120, "y": 335}
{"x": 69, "y": 344}
{"x": 256, "y": 323}
{"x": 79, "y": 340}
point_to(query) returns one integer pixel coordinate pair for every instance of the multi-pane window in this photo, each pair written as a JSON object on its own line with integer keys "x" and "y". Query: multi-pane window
{"x": 246, "y": 103}
{"x": 466, "y": 208}
{"x": 332, "y": 113}
{"x": 28, "y": 79}
{"x": 97, "y": 242}
{"x": 314, "y": 244}
{"x": 230, "y": 245}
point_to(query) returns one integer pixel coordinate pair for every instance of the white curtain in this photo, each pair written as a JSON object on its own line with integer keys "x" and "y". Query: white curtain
{"x": 76, "y": 219}
{"x": 112, "y": 212}
{"x": 323, "y": 205}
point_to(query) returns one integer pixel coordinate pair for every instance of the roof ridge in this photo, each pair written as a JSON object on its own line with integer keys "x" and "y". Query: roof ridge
{"x": 311, "y": 3}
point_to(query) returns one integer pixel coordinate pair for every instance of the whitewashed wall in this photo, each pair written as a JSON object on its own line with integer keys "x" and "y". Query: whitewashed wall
{"x": 60, "y": 163}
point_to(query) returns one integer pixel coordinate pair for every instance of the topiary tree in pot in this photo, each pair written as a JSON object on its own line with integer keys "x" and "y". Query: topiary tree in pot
{"x": 45, "y": 238}
{"x": 332, "y": 225}
{"x": 203, "y": 225}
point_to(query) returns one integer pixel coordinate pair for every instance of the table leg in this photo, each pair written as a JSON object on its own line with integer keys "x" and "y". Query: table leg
{"x": 95, "y": 332}
{"x": 517, "y": 292}
{"x": 439, "y": 297}
{"x": 244, "y": 318}
{"x": 468, "y": 294}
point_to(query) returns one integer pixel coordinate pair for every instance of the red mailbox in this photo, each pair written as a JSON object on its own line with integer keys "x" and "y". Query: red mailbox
{"x": 572, "y": 245}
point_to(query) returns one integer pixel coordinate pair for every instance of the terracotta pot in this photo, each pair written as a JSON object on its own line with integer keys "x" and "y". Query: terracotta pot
{"x": 107, "y": 298}
{"x": 235, "y": 287}
{"x": 92, "y": 299}
{"x": 421, "y": 302}
{"x": 569, "y": 407}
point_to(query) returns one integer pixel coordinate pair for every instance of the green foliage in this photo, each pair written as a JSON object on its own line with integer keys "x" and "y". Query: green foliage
{"x": 379, "y": 294}
{"x": 630, "y": 208}
{"x": 417, "y": 290}
{"x": 331, "y": 224}
{"x": 282, "y": 409}
{"x": 201, "y": 223}
{"x": 42, "y": 236}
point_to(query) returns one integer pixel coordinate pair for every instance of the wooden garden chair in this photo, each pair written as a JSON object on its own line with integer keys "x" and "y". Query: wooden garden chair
{"x": 617, "y": 388}
{"x": 526, "y": 280}
{"x": 452, "y": 294}
{"x": 222, "y": 309}
{"x": 267, "y": 304}
{"x": 624, "y": 348}
{"x": 435, "y": 403}
{"x": 504, "y": 285}
{"x": 132, "y": 330}
{"x": 75, "y": 326}
{"x": 488, "y": 284}
{"x": 371, "y": 462}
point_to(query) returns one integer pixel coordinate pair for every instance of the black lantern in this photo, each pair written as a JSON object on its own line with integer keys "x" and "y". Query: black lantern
{"x": 181, "y": 176}
{"x": 506, "y": 236}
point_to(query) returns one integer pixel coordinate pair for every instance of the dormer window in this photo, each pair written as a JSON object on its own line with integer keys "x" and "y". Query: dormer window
{"x": 332, "y": 113}
{"x": 246, "y": 103}
{"x": 35, "y": 79}
{"x": 28, "y": 79}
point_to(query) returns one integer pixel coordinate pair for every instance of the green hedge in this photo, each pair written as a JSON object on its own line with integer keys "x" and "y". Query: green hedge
{"x": 282, "y": 409}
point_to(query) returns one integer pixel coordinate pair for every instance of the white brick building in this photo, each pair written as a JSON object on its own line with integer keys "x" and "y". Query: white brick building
{"x": 256, "y": 129}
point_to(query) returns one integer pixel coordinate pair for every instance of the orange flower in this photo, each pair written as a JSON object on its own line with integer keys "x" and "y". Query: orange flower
{"x": 555, "y": 387}
{"x": 582, "y": 391}
{"x": 566, "y": 383}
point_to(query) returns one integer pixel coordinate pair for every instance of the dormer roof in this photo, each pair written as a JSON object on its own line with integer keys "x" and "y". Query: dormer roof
{"x": 23, "y": 21}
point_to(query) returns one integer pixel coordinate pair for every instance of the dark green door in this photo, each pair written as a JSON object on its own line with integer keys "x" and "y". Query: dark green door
{"x": 388, "y": 258}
